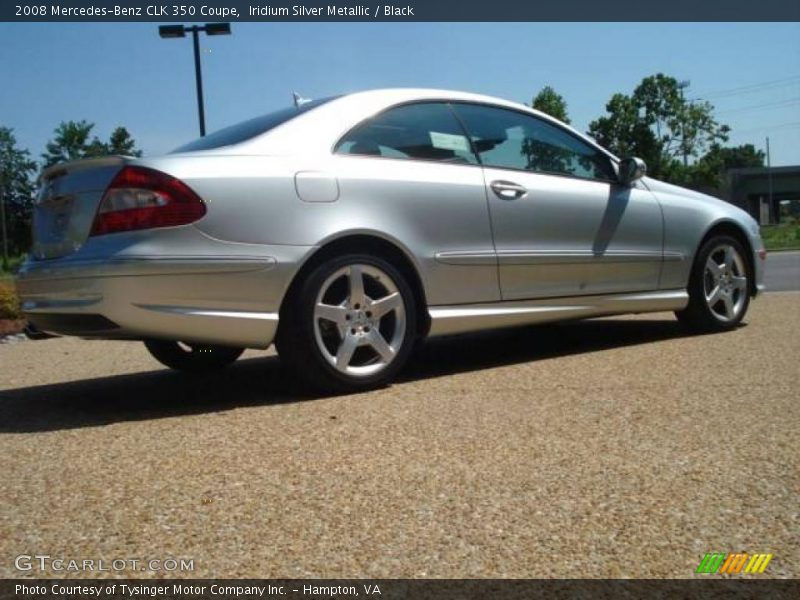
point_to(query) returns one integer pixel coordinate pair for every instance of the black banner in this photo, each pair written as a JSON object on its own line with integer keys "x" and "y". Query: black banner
{"x": 397, "y": 589}
{"x": 402, "y": 10}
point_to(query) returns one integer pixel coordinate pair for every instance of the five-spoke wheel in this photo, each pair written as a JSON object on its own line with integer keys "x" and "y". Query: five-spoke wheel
{"x": 719, "y": 286}
{"x": 359, "y": 331}
{"x": 725, "y": 282}
{"x": 350, "y": 325}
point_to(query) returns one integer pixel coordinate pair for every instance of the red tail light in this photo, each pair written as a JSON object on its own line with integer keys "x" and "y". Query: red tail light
{"x": 140, "y": 198}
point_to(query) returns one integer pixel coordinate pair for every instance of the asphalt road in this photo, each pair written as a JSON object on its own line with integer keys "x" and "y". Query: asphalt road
{"x": 616, "y": 447}
{"x": 782, "y": 272}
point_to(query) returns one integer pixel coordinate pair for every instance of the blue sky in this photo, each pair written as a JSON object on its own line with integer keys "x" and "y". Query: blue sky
{"x": 124, "y": 74}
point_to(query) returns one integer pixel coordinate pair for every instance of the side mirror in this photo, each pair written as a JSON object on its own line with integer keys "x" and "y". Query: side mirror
{"x": 631, "y": 169}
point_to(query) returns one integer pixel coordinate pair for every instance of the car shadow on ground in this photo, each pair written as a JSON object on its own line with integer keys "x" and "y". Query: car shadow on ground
{"x": 264, "y": 381}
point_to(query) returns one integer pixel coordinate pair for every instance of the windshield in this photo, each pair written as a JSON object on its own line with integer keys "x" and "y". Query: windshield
{"x": 250, "y": 128}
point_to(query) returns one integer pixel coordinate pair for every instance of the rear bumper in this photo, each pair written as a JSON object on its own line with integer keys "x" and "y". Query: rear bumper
{"x": 230, "y": 300}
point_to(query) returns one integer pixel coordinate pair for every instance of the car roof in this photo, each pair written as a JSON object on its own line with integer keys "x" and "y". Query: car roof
{"x": 396, "y": 95}
{"x": 388, "y": 97}
{"x": 318, "y": 130}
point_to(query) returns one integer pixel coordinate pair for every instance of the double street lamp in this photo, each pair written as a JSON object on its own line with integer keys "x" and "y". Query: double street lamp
{"x": 179, "y": 31}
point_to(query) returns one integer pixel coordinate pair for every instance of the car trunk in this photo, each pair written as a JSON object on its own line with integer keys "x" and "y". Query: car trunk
{"x": 67, "y": 202}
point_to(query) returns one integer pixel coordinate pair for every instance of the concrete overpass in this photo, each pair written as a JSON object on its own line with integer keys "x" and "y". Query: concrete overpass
{"x": 750, "y": 189}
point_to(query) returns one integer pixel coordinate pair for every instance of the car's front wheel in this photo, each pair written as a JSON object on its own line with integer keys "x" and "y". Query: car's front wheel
{"x": 190, "y": 357}
{"x": 350, "y": 325}
{"x": 719, "y": 286}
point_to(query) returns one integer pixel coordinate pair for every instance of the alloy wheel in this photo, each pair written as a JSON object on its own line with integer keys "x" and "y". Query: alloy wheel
{"x": 359, "y": 320}
{"x": 725, "y": 283}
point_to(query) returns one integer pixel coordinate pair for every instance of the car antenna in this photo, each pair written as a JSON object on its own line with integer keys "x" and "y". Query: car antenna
{"x": 299, "y": 100}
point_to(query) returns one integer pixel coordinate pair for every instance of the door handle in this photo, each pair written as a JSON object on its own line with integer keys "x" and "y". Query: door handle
{"x": 508, "y": 190}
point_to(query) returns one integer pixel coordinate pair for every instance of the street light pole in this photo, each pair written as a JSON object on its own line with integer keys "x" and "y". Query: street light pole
{"x": 179, "y": 31}
{"x": 198, "y": 76}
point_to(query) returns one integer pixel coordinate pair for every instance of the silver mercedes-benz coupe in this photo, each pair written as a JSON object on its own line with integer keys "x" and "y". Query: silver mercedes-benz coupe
{"x": 349, "y": 228}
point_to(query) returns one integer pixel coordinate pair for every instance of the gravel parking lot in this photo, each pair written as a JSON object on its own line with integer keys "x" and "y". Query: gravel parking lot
{"x": 610, "y": 448}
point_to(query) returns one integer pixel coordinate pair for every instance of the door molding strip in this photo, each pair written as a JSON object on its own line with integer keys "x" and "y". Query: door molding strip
{"x": 467, "y": 258}
{"x": 545, "y": 257}
{"x": 541, "y": 257}
{"x": 448, "y": 320}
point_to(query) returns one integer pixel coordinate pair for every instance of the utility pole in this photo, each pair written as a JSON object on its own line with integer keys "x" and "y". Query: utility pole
{"x": 681, "y": 86}
{"x": 769, "y": 179}
{"x": 3, "y": 221}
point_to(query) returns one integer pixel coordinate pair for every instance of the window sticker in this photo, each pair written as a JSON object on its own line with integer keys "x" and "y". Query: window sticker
{"x": 449, "y": 141}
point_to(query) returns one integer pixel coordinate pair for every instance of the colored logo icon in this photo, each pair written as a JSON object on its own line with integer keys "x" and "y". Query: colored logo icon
{"x": 719, "y": 562}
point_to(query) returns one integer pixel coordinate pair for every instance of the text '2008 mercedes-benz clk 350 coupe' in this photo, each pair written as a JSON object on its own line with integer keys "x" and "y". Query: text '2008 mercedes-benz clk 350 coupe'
{"x": 349, "y": 228}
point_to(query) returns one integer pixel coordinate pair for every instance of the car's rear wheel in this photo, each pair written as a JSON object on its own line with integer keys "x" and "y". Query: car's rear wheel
{"x": 350, "y": 325}
{"x": 719, "y": 286}
{"x": 191, "y": 357}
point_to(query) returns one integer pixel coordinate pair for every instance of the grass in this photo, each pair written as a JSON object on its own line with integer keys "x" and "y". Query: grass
{"x": 14, "y": 263}
{"x": 9, "y": 303}
{"x": 785, "y": 236}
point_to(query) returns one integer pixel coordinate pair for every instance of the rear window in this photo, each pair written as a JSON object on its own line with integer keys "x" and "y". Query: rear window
{"x": 424, "y": 131}
{"x": 250, "y": 128}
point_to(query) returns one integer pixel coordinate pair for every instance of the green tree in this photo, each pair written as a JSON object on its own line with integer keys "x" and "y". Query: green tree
{"x": 657, "y": 123}
{"x": 122, "y": 143}
{"x": 95, "y": 148}
{"x": 71, "y": 142}
{"x": 16, "y": 191}
{"x": 737, "y": 157}
{"x": 552, "y": 103}
{"x": 626, "y": 133}
{"x": 711, "y": 169}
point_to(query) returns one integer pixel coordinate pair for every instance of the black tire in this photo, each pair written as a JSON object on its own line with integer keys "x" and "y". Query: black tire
{"x": 299, "y": 346}
{"x": 192, "y": 358}
{"x": 698, "y": 315}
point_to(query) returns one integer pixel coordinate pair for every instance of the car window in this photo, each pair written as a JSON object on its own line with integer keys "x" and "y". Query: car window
{"x": 513, "y": 140}
{"x": 426, "y": 131}
{"x": 250, "y": 128}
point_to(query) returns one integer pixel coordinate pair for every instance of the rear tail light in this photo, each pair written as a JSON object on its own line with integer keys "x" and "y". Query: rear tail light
{"x": 140, "y": 198}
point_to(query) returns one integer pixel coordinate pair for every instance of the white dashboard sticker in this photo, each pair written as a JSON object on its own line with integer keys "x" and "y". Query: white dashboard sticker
{"x": 449, "y": 141}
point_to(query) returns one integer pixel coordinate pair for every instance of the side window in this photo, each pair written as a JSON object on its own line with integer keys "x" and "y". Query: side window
{"x": 513, "y": 140}
{"x": 427, "y": 131}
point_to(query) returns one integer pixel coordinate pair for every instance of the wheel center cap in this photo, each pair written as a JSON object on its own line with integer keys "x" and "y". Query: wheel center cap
{"x": 359, "y": 319}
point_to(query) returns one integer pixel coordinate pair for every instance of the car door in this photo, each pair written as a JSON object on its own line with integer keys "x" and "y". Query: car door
{"x": 562, "y": 224}
{"x": 410, "y": 174}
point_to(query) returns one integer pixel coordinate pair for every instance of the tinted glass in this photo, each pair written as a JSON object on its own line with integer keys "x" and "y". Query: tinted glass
{"x": 513, "y": 140}
{"x": 427, "y": 131}
{"x": 249, "y": 129}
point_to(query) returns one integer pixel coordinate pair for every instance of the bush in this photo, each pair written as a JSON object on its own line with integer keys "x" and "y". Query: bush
{"x": 9, "y": 303}
{"x": 781, "y": 237}
{"x": 14, "y": 263}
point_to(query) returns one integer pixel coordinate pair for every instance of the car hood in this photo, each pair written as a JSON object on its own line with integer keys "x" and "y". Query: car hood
{"x": 661, "y": 187}
{"x": 654, "y": 185}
